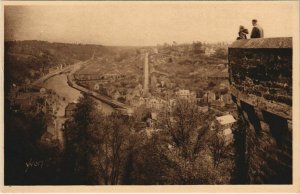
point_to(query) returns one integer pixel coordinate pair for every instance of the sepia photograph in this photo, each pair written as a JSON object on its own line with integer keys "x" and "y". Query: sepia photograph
{"x": 150, "y": 93}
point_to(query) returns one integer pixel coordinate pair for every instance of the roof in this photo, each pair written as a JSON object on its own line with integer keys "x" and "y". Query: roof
{"x": 226, "y": 119}
{"x": 282, "y": 42}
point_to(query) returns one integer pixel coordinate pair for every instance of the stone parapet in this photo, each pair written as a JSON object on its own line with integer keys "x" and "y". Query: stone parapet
{"x": 260, "y": 75}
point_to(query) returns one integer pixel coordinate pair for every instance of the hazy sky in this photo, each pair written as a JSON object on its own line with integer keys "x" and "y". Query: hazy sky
{"x": 146, "y": 23}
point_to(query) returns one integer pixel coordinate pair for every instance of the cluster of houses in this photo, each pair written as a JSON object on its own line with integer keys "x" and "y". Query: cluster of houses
{"x": 162, "y": 96}
{"x": 210, "y": 98}
{"x": 31, "y": 100}
{"x": 156, "y": 104}
{"x": 179, "y": 50}
{"x": 104, "y": 78}
{"x": 187, "y": 95}
{"x": 226, "y": 121}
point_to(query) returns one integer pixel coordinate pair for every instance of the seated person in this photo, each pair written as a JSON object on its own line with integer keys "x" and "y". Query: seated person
{"x": 242, "y": 33}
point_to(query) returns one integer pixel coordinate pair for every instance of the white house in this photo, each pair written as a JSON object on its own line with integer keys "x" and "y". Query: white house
{"x": 226, "y": 123}
{"x": 209, "y": 97}
{"x": 186, "y": 94}
{"x": 209, "y": 51}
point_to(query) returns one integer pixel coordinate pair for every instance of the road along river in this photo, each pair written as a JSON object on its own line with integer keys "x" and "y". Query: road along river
{"x": 59, "y": 84}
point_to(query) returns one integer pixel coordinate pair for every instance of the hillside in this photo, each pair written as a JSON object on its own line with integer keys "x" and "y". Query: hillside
{"x": 28, "y": 60}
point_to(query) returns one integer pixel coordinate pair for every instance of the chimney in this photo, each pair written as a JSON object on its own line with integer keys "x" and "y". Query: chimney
{"x": 146, "y": 74}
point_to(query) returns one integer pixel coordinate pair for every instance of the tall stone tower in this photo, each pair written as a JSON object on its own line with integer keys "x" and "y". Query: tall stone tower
{"x": 146, "y": 74}
{"x": 260, "y": 72}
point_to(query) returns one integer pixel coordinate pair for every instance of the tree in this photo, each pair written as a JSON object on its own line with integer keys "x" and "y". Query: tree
{"x": 146, "y": 164}
{"x": 183, "y": 126}
{"x": 211, "y": 84}
{"x": 96, "y": 145}
{"x": 200, "y": 93}
{"x": 185, "y": 129}
{"x": 111, "y": 151}
{"x": 79, "y": 144}
{"x": 223, "y": 163}
{"x": 22, "y": 149}
{"x": 198, "y": 48}
{"x": 217, "y": 145}
{"x": 240, "y": 171}
{"x": 221, "y": 53}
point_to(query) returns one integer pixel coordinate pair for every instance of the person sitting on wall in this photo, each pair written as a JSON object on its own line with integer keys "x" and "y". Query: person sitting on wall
{"x": 257, "y": 31}
{"x": 242, "y": 33}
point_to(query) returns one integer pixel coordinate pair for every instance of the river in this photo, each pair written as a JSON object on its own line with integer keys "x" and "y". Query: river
{"x": 67, "y": 94}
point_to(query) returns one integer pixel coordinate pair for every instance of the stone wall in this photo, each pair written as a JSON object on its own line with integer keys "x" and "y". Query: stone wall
{"x": 260, "y": 74}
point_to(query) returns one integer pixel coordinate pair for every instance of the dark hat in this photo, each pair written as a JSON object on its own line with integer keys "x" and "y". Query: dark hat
{"x": 254, "y": 20}
{"x": 245, "y": 31}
